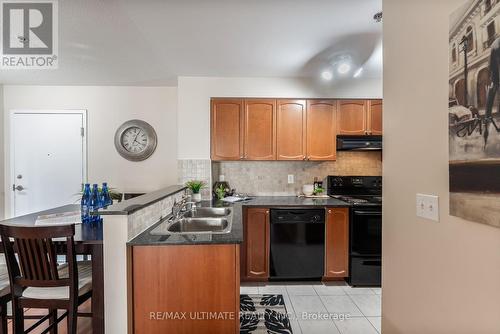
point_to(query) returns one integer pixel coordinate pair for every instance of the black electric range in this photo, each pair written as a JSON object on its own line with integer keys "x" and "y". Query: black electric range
{"x": 364, "y": 193}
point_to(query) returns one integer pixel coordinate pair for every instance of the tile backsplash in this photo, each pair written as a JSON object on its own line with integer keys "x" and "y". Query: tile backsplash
{"x": 196, "y": 169}
{"x": 146, "y": 217}
{"x": 270, "y": 178}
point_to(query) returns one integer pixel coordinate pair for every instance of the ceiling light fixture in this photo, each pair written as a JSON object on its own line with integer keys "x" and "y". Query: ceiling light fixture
{"x": 358, "y": 72}
{"x": 344, "y": 67}
{"x": 327, "y": 75}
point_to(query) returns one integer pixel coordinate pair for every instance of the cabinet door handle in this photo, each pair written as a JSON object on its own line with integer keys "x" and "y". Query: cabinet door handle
{"x": 329, "y": 211}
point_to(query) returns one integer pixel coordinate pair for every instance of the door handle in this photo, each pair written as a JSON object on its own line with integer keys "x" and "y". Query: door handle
{"x": 18, "y": 188}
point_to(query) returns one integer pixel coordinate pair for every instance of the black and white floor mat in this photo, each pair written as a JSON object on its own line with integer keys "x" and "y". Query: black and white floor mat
{"x": 263, "y": 314}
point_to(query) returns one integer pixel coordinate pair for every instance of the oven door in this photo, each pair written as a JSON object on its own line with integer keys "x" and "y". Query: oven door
{"x": 366, "y": 232}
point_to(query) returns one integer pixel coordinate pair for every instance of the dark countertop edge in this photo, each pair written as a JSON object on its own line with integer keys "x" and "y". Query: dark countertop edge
{"x": 134, "y": 204}
{"x": 166, "y": 243}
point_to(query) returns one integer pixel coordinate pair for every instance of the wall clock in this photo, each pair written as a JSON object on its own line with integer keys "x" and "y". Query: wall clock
{"x": 135, "y": 140}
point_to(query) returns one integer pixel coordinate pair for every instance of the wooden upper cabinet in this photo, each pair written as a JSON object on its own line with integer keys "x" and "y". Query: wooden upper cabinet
{"x": 291, "y": 129}
{"x": 260, "y": 129}
{"x": 352, "y": 117}
{"x": 337, "y": 243}
{"x": 256, "y": 243}
{"x": 321, "y": 130}
{"x": 227, "y": 129}
{"x": 375, "y": 117}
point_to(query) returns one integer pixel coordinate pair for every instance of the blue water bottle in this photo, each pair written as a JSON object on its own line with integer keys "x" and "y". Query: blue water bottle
{"x": 85, "y": 204}
{"x": 94, "y": 204}
{"x": 105, "y": 196}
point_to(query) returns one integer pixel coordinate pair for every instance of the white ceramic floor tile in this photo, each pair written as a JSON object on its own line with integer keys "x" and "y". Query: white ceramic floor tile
{"x": 355, "y": 326}
{"x": 330, "y": 290}
{"x": 249, "y": 290}
{"x": 358, "y": 291}
{"x": 370, "y": 305}
{"x": 288, "y": 304}
{"x": 318, "y": 327}
{"x": 272, "y": 289}
{"x": 376, "y": 322}
{"x": 377, "y": 291}
{"x": 307, "y": 304}
{"x": 301, "y": 290}
{"x": 295, "y": 326}
{"x": 341, "y": 305}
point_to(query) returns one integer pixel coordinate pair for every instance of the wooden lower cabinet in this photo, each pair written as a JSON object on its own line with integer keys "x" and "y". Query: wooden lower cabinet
{"x": 170, "y": 282}
{"x": 337, "y": 243}
{"x": 256, "y": 243}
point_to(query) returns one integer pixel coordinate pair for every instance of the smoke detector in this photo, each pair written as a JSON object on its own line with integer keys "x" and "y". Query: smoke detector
{"x": 378, "y": 17}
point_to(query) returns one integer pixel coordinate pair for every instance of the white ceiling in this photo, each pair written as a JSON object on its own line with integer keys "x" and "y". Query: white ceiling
{"x": 152, "y": 42}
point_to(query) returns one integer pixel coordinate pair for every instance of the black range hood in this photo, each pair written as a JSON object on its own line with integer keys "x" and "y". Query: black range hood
{"x": 359, "y": 143}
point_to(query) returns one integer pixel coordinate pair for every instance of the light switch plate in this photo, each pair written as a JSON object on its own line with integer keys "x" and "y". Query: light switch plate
{"x": 428, "y": 207}
{"x": 291, "y": 179}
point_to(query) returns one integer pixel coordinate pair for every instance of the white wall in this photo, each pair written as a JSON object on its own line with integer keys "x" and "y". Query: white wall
{"x": 437, "y": 277}
{"x": 194, "y": 95}
{"x": 2, "y": 185}
{"x": 108, "y": 107}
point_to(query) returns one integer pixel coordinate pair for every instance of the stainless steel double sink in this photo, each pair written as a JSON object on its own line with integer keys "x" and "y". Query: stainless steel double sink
{"x": 199, "y": 220}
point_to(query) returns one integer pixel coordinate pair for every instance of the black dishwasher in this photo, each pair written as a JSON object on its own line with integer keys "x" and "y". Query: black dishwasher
{"x": 297, "y": 244}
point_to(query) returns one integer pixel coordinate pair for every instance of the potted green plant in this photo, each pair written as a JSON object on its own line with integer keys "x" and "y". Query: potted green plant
{"x": 220, "y": 191}
{"x": 195, "y": 186}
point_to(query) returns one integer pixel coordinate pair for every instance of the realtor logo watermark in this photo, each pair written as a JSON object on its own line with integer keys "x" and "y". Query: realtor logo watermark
{"x": 29, "y": 34}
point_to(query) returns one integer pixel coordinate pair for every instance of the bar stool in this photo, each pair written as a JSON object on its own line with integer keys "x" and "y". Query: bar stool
{"x": 36, "y": 281}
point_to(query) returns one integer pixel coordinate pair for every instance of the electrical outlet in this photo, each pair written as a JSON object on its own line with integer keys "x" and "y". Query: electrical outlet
{"x": 291, "y": 179}
{"x": 428, "y": 207}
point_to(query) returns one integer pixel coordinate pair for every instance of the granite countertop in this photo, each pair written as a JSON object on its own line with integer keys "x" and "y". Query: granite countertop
{"x": 130, "y": 206}
{"x": 236, "y": 233}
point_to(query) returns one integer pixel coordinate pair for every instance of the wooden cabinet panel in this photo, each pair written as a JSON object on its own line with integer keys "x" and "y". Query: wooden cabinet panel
{"x": 321, "y": 130}
{"x": 291, "y": 129}
{"x": 352, "y": 117}
{"x": 260, "y": 129}
{"x": 337, "y": 243}
{"x": 256, "y": 244}
{"x": 185, "y": 278}
{"x": 227, "y": 129}
{"x": 375, "y": 117}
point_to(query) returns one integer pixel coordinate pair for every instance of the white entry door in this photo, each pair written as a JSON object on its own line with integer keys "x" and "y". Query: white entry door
{"x": 49, "y": 159}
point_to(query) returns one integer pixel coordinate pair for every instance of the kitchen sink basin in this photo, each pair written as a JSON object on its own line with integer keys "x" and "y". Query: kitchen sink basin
{"x": 198, "y": 221}
{"x": 208, "y": 213}
{"x": 197, "y": 225}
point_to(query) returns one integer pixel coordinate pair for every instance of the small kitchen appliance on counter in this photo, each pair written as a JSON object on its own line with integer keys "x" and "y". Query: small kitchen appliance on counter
{"x": 364, "y": 193}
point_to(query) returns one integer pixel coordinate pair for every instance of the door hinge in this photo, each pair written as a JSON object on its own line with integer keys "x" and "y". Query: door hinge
{"x": 82, "y": 132}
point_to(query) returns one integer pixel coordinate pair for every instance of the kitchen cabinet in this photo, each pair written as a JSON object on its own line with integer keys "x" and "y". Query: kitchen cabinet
{"x": 375, "y": 117}
{"x": 321, "y": 130}
{"x": 288, "y": 129}
{"x": 256, "y": 243}
{"x": 184, "y": 278}
{"x": 227, "y": 129}
{"x": 337, "y": 243}
{"x": 352, "y": 117}
{"x": 291, "y": 129}
{"x": 259, "y": 129}
{"x": 360, "y": 117}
